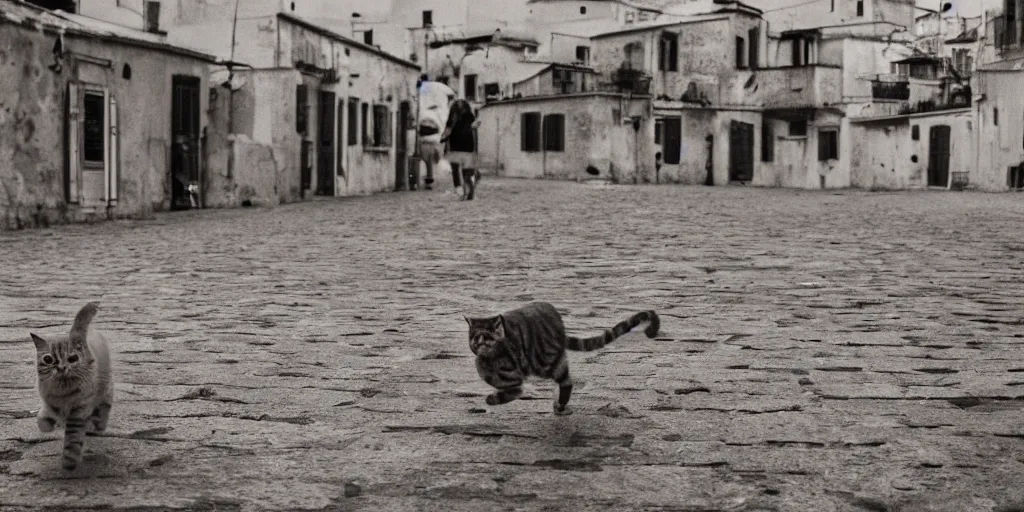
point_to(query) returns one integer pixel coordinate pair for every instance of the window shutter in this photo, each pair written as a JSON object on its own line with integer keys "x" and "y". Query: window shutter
{"x": 113, "y": 163}
{"x": 754, "y": 37}
{"x": 524, "y": 130}
{"x": 74, "y": 154}
{"x": 301, "y": 100}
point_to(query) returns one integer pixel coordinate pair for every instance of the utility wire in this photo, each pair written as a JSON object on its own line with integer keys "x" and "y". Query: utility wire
{"x": 793, "y": 6}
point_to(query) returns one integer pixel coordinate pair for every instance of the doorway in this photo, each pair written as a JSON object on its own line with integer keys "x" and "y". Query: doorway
{"x": 709, "y": 166}
{"x": 401, "y": 143}
{"x": 185, "y": 142}
{"x": 741, "y": 151}
{"x": 938, "y": 156}
{"x": 325, "y": 137}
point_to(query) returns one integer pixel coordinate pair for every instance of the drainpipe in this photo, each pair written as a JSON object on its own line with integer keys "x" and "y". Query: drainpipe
{"x": 231, "y": 94}
{"x": 636, "y": 150}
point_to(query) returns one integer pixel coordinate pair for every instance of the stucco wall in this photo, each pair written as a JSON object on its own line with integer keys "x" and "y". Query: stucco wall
{"x": 543, "y": 84}
{"x": 592, "y": 137}
{"x": 265, "y": 145}
{"x": 380, "y": 82}
{"x": 795, "y": 163}
{"x": 999, "y": 146}
{"x": 256, "y": 41}
{"x": 32, "y": 124}
{"x": 884, "y": 157}
{"x": 707, "y": 58}
{"x": 696, "y": 125}
{"x": 501, "y": 65}
{"x": 799, "y": 86}
{"x": 265, "y": 110}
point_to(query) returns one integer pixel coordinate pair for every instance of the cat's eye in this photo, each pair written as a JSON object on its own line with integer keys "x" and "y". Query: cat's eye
{"x": 47, "y": 359}
{"x": 72, "y": 358}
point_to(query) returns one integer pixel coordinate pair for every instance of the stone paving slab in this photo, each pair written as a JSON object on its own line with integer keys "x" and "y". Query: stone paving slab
{"x": 820, "y": 351}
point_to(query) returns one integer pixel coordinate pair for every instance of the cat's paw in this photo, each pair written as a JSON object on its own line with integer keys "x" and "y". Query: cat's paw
{"x": 46, "y": 424}
{"x": 69, "y": 464}
{"x": 492, "y": 399}
{"x": 562, "y": 410}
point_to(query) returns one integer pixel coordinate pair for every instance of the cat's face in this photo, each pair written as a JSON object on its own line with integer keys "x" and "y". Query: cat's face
{"x": 485, "y": 334}
{"x": 62, "y": 359}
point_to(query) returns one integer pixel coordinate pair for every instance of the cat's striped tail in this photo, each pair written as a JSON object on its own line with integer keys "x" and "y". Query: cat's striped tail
{"x": 596, "y": 342}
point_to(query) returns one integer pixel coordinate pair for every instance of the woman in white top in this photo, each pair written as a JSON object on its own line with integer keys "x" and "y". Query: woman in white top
{"x": 435, "y": 98}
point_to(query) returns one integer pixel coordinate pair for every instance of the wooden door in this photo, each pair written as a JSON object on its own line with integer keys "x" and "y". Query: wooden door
{"x": 741, "y": 151}
{"x": 326, "y": 145}
{"x": 401, "y": 143}
{"x": 938, "y": 156}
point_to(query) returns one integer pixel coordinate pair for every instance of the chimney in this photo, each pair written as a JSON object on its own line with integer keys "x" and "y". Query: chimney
{"x": 151, "y": 15}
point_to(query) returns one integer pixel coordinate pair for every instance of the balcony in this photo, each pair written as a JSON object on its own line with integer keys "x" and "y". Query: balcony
{"x": 1007, "y": 33}
{"x": 885, "y": 90}
{"x": 627, "y": 80}
{"x": 811, "y": 86}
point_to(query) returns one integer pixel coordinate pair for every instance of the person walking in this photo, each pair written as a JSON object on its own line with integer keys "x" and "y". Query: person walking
{"x": 434, "y": 100}
{"x": 460, "y": 135}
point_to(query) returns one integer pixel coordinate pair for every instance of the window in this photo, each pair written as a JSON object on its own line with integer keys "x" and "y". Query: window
{"x": 634, "y": 53}
{"x": 828, "y": 144}
{"x": 798, "y": 128}
{"x": 554, "y": 132}
{"x": 492, "y": 90}
{"x": 353, "y": 121}
{"x": 672, "y": 137}
{"x": 92, "y": 140}
{"x": 767, "y": 142}
{"x": 302, "y": 109}
{"x": 368, "y": 37}
{"x": 583, "y": 54}
{"x": 583, "y": 10}
{"x": 915, "y": 132}
{"x": 995, "y": 116}
{"x": 529, "y": 131}
{"x": 381, "y": 126}
{"x": 802, "y": 51}
{"x": 469, "y": 84}
{"x": 94, "y": 152}
{"x": 364, "y": 123}
{"x": 659, "y": 128}
{"x": 428, "y": 19}
{"x": 860, "y": 8}
{"x": 833, "y": 9}
{"x": 741, "y": 53}
{"x": 668, "y": 52}
{"x": 754, "y": 36}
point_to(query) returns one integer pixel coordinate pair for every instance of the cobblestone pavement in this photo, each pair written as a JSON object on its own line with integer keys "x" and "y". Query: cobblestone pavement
{"x": 820, "y": 351}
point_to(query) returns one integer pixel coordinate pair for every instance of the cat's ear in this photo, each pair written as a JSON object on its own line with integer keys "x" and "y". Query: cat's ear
{"x": 41, "y": 344}
{"x": 499, "y": 326}
{"x": 468, "y": 321}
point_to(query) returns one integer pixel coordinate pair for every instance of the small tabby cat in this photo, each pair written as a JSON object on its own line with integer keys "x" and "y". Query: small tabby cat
{"x": 531, "y": 341}
{"x": 75, "y": 384}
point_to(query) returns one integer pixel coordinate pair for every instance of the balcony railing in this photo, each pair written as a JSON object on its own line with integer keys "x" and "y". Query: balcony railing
{"x": 1008, "y": 34}
{"x": 890, "y": 90}
{"x": 628, "y": 80}
{"x": 800, "y": 86}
